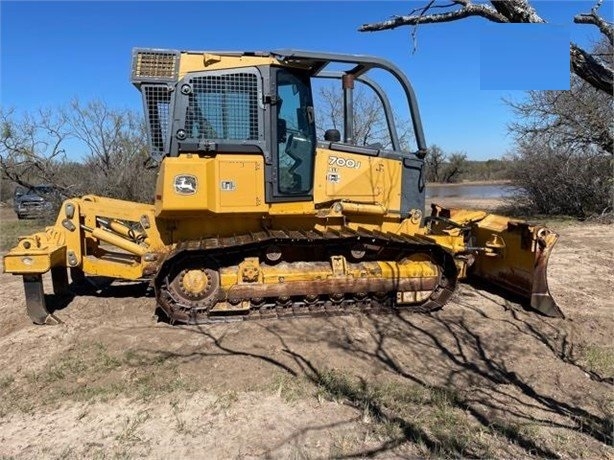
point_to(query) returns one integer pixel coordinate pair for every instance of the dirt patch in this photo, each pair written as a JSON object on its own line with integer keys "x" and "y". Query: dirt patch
{"x": 482, "y": 377}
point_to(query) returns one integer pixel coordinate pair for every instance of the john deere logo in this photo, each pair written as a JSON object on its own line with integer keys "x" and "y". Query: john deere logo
{"x": 185, "y": 184}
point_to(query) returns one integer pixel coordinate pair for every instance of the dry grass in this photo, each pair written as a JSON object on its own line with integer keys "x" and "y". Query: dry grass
{"x": 88, "y": 372}
{"x": 11, "y": 230}
{"x": 432, "y": 418}
{"x": 599, "y": 359}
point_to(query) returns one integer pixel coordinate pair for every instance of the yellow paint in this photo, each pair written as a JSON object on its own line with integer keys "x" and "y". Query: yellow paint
{"x": 359, "y": 178}
{"x": 195, "y": 281}
{"x": 228, "y": 183}
{"x": 240, "y": 181}
{"x": 314, "y": 271}
{"x": 119, "y": 241}
{"x": 112, "y": 269}
{"x": 68, "y": 244}
{"x": 361, "y": 208}
{"x": 199, "y": 61}
{"x": 293, "y": 209}
{"x": 25, "y": 262}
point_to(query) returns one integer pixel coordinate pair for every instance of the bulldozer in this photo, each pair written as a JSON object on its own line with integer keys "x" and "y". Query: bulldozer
{"x": 255, "y": 217}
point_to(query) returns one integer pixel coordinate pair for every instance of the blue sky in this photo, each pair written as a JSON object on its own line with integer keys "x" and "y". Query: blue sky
{"x": 510, "y": 54}
{"x": 52, "y": 52}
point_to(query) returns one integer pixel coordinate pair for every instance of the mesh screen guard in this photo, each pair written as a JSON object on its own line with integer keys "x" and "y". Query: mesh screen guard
{"x": 157, "y": 99}
{"x": 223, "y": 106}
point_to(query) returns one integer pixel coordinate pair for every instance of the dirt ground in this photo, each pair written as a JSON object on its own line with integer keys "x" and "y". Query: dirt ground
{"x": 481, "y": 378}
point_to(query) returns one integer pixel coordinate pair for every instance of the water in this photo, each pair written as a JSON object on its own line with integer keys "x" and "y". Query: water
{"x": 493, "y": 191}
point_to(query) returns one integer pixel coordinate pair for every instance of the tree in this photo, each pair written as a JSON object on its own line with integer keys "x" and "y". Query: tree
{"x": 441, "y": 167}
{"x": 590, "y": 68}
{"x": 581, "y": 118}
{"x": 116, "y": 149}
{"x": 455, "y": 166}
{"x": 32, "y": 148}
{"x": 494, "y": 169}
{"x": 560, "y": 179}
{"x": 434, "y": 163}
{"x": 370, "y": 127}
{"x": 33, "y": 151}
{"x": 564, "y": 139}
{"x": 564, "y": 155}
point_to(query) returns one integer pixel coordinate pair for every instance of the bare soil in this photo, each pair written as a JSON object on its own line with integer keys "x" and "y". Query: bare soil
{"x": 481, "y": 378}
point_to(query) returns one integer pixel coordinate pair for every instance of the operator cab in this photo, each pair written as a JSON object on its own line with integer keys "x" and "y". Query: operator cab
{"x": 261, "y": 103}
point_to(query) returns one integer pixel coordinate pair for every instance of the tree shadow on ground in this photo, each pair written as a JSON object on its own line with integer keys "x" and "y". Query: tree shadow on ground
{"x": 472, "y": 368}
{"x": 539, "y": 327}
{"x": 497, "y": 379}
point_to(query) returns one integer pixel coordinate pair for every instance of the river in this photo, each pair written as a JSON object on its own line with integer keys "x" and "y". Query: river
{"x": 479, "y": 191}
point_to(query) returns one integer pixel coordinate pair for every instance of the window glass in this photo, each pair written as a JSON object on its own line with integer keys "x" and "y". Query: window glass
{"x": 295, "y": 134}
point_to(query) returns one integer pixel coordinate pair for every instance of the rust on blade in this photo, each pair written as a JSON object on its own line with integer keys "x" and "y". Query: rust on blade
{"x": 520, "y": 265}
{"x": 509, "y": 253}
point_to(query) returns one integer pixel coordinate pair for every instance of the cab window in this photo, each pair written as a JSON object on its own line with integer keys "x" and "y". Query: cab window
{"x": 295, "y": 134}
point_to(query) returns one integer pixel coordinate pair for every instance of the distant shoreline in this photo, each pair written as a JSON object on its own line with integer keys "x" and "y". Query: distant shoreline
{"x": 476, "y": 182}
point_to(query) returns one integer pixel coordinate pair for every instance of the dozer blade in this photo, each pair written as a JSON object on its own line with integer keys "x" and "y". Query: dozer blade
{"x": 514, "y": 256}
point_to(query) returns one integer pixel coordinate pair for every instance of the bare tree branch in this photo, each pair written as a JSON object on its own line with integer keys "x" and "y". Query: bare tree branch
{"x": 32, "y": 151}
{"x": 443, "y": 167}
{"x": 593, "y": 18}
{"x": 596, "y": 73}
{"x": 517, "y": 11}
{"x": 579, "y": 118}
{"x": 370, "y": 126}
{"x": 590, "y": 70}
{"x": 31, "y": 148}
{"x": 466, "y": 11}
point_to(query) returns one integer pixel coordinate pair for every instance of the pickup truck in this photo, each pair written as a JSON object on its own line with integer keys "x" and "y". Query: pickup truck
{"x": 35, "y": 201}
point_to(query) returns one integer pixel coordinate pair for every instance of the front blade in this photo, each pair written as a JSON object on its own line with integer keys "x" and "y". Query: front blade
{"x": 514, "y": 256}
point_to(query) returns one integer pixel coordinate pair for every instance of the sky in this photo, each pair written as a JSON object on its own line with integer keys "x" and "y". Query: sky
{"x": 52, "y": 52}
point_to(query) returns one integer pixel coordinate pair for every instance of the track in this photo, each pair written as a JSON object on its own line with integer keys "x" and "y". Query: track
{"x": 294, "y": 247}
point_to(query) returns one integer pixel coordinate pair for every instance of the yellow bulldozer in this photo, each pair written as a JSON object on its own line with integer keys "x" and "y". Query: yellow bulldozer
{"x": 255, "y": 217}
